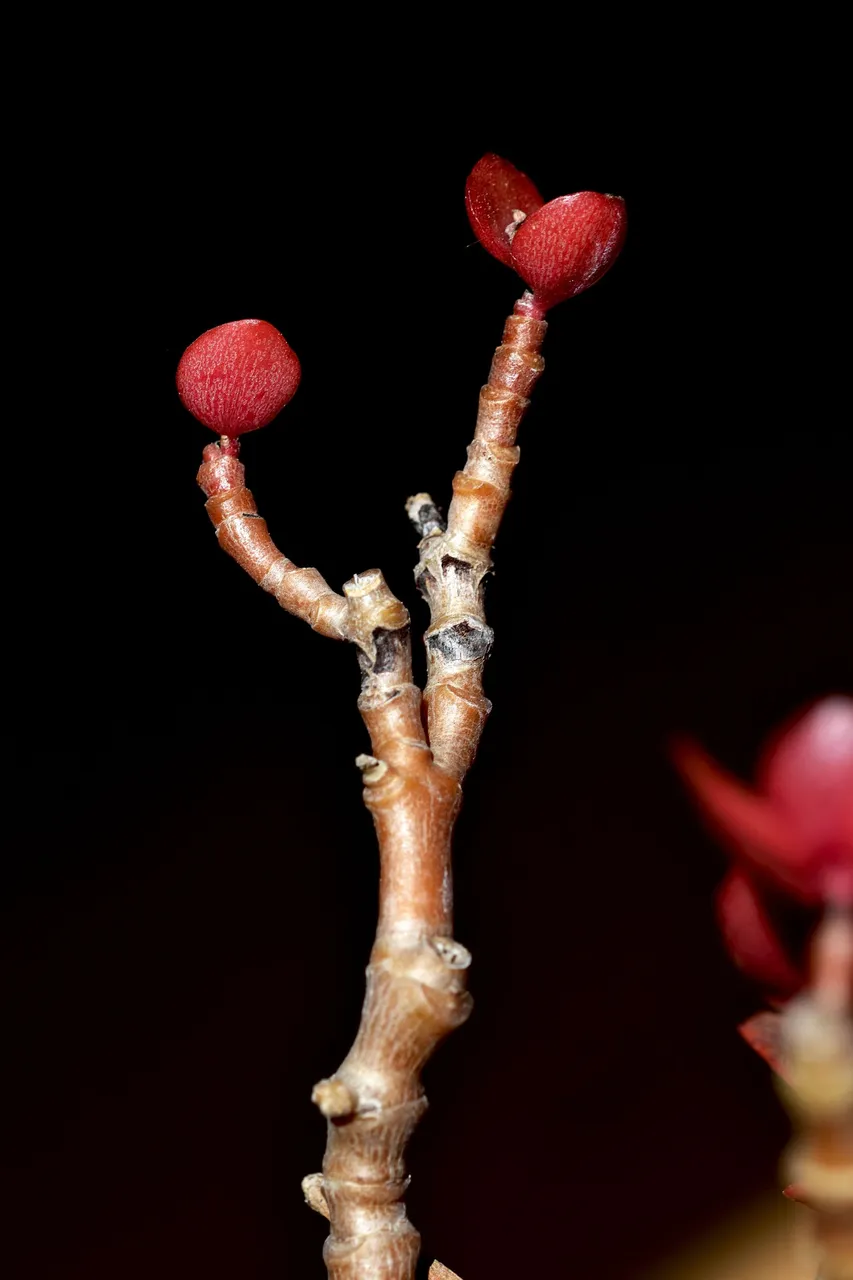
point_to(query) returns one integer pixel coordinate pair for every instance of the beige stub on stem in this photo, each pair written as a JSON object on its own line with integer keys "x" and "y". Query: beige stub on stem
{"x": 421, "y": 745}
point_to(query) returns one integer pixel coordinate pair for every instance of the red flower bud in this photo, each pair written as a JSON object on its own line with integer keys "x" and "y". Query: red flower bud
{"x": 560, "y": 248}
{"x": 238, "y": 376}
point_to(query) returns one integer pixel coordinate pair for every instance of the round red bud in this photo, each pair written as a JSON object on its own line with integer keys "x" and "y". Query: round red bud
{"x": 568, "y": 244}
{"x": 238, "y": 376}
{"x": 560, "y": 248}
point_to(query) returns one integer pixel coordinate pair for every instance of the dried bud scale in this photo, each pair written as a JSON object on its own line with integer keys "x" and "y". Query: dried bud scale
{"x": 439, "y": 1272}
{"x": 243, "y": 533}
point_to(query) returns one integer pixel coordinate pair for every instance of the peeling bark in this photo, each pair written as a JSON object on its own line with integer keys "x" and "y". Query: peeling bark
{"x": 455, "y": 562}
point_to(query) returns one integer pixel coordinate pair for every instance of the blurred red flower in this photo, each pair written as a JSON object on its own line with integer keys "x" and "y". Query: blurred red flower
{"x": 793, "y": 832}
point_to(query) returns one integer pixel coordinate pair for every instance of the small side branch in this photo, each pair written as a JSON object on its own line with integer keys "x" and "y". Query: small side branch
{"x": 243, "y": 533}
{"x": 312, "y": 1189}
{"x": 454, "y": 562}
{"x": 817, "y": 1058}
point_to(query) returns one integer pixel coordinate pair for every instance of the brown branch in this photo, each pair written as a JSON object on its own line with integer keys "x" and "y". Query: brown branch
{"x": 439, "y": 1272}
{"x": 454, "y": 562}
{"x": 244, "y": 535}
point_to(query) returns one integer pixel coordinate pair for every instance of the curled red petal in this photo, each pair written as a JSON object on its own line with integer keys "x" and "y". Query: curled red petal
{"x": 750, "y": 937}
{"x": 763, "y": 1033}
{"x": 494, "y": 191}
{"x": 238, "y": 376}
{"x": 753, "y": 825}
{"x": 569, "y": 244}
{"x": 808, "y": 772}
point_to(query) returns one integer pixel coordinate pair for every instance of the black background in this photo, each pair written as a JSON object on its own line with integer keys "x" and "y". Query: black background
{"x": 189, "y": 889}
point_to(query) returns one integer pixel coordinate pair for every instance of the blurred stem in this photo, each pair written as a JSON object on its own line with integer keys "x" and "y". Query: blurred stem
{"x": 817, "y": 1050}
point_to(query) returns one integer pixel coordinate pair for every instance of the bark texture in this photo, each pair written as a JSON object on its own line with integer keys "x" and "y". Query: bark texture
{"x": 421, "y": 745}
{"x": 455, "y": 561}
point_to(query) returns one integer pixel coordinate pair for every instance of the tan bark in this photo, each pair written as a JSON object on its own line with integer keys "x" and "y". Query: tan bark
{"x": 416, "y": 976}
{"x": 244, "y": 535}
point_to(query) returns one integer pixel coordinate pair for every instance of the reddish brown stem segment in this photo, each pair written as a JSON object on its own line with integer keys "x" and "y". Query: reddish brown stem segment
{"x": 244, "y": 535}
{"x": 416, "y": 977}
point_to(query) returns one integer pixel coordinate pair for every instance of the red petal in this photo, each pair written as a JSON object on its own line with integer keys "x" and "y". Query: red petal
{"x": 752, "y": 824}
{"x": 750, "y": 938}
{"x": 798, "y": 1193}
{"x": 569, "y": 244}
{"x": 237, "y": 377}
{"x": 763, "y": 1033}
{"x": 494, "y": 189}
{"x": 808, "y": 771}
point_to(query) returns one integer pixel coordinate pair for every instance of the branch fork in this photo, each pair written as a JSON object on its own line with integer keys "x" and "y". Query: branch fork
{"x": 422, "y": 744}
{"x": 816, "y": 1041}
